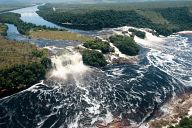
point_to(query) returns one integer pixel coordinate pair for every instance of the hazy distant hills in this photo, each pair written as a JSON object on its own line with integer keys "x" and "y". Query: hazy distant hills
{"x": 78, "y": 1}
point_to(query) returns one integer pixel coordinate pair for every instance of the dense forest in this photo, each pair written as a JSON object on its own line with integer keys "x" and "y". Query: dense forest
{"x": 23, "y": 28}
{"x": 137, "y": 33}
{"x": 23, "y": 74}
{"x": 21, "y": 64}
{"x": 99, "y": 45}
{"x": 125, "y": 44}
{"x": 178, "y": 18}
{"x": 170, "y": 19}
{"x": 93, "y": 58}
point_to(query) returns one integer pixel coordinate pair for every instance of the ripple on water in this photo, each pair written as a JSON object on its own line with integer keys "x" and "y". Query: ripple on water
{"x": 96, "y": 98}
{"x": 129, "y": 92}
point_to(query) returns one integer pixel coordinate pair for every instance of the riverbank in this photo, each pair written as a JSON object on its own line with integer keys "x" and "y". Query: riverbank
{"x": 173, "y": 111}
{"x": 21, "y": 64}
{"x": 10, "y": 91}
{"x": 58, "y": 35}
{"x": 149, "y": 37}
{"x": 120, "y": 93}
{"x": 157, "y": 16}
{"x": 170, "y": 114}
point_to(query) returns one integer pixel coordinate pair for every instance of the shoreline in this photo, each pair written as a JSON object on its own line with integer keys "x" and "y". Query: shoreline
{"x": 172, "y": 111}
{"x": 5, "y": 90}
{"x": 169, "y": 104}
{"x": 9, "y": 10}
{"x": 168, "y": 114}
{"x": 11, "y": 91}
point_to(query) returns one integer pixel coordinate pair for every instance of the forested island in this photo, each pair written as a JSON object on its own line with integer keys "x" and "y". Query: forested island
{"x": 21, "y": 64}
{"x": 93, "y": 58}
{"x": 95, "y": 50}
{"x": 137, "y": 33}
{"x": 98, "y": 44}
{"x": 165, "y": 18}
{"x": 125, "y": 44}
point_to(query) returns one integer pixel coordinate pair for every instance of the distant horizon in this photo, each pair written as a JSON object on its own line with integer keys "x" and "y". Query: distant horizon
{"x": 85, "y": 1}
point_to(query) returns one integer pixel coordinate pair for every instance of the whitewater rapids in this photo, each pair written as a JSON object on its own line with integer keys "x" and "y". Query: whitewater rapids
{"x": 67, "y": 65}
{"x": 87, "y": 98}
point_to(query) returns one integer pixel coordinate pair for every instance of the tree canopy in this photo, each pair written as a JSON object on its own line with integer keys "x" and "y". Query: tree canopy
{"x": 125, "y": 44}
{"x": 93, "y": 58}
{"x": 165, "y": 20}
{"x": 99, "y": 45}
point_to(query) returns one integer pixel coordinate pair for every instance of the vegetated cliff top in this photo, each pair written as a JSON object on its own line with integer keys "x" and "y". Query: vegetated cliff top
{"x": 164, "y": 17}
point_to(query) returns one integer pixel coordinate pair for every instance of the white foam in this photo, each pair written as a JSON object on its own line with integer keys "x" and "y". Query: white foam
{"x": 108, "y": 117}
{"x": 118, "y": 53}
{"x": 190, "y": 111}
{"x": 150, "y": 40}
{"x": 75, "y": 123}
{"x": 68, "y": 64}
{"x": 117, "y": 72}
{"x": 185, "y": 32}
{"x": 94, "y": 109}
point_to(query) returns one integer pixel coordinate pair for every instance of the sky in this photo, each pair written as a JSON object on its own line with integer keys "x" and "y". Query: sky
{"x": 77, "y": 1}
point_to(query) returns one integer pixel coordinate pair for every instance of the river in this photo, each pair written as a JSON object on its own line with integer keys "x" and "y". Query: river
{"x": 86, "y": 97}
{"x": 29, "y": 15}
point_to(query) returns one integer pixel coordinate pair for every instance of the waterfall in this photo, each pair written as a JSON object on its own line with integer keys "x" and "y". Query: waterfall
{"x": 68, "y": 64}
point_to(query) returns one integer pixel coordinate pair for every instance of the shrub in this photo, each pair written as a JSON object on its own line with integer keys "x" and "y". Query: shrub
{"x": 3, "y": 30}
{"x": 46, "y": 62}
{"x": 98, "y": 44}
{"x": 138, "y": 33}
{"x": 125, "y": 44}
{"x": 185, "y": 122}
{"x": 37, "y": 53}
{"x": 93, "y": 58}
{"x": 22, "y": 75}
